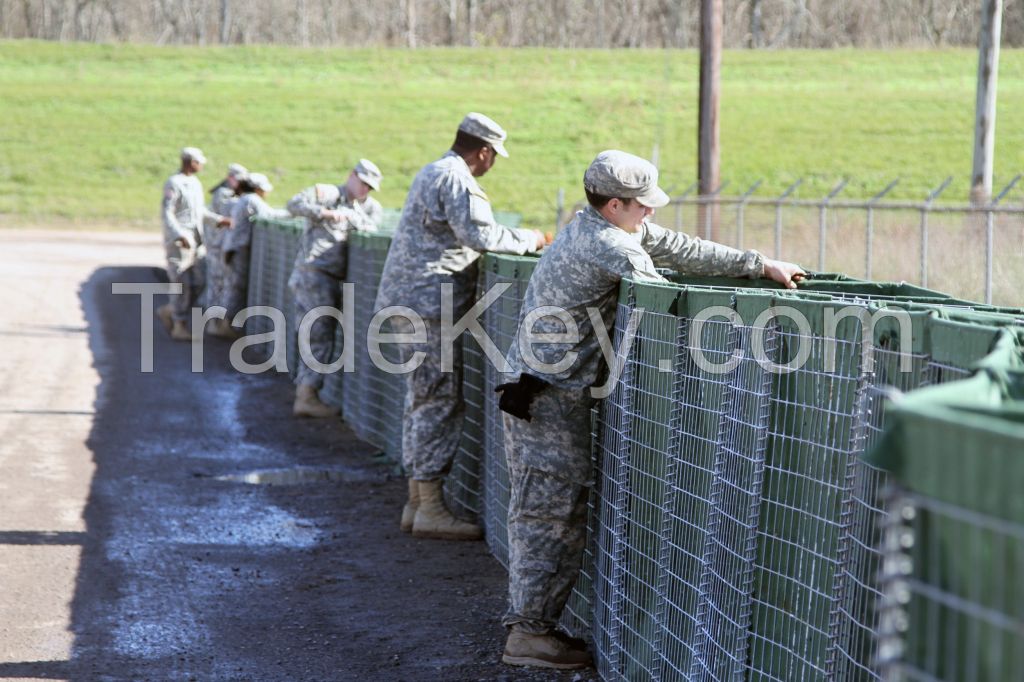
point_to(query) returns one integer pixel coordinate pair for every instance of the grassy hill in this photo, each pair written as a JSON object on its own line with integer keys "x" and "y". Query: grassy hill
{"x": 88, "y": 133}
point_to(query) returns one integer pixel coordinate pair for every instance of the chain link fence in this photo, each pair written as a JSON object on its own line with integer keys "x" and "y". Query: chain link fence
{"x": 735, "y": 530}
{"x": 973, "y": 252}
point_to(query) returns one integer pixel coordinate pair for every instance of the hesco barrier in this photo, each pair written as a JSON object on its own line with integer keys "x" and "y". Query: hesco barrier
{"x": 735, "y": 530}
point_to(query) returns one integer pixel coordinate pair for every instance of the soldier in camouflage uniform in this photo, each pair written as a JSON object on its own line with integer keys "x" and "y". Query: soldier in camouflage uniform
{"x": 331, "y": 212}
{"x": 185, "y": 217}
{"x": 446, "y": 223}
{"x": 249, "y": 206}
{"x": 547, "y": 421}
{"x": 222, "y": 201}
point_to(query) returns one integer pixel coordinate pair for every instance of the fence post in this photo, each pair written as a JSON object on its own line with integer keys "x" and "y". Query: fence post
{"x": 990, "y": 237}
{"x": 871, "y": 226}
{"x": 822, "y": 223}
{"x": 559, "y": 208}
{"x": 778, "y": 215}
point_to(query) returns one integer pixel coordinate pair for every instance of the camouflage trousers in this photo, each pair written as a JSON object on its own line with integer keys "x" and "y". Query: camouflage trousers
{"x": 193, "y": 281}
{"x": 550, "y": 471}
{"x": 432, "y": 418}
{"x": 236, "y": 282}
{"x": 216, "y": 272}
{"x": 313, "y": 288}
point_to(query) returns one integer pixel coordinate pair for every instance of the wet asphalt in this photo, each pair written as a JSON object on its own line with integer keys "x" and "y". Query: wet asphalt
{"x": 191, "y": 529}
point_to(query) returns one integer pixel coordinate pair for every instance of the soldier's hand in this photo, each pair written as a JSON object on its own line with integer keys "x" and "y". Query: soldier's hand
{"x": 784, "y": 273}
{"x": 336, "y": 216}
{"x": 182, "y": 243}
{"x": 224, "y": 222}
{"x": 548, "y": 238}
{"x": 541, "y": 241}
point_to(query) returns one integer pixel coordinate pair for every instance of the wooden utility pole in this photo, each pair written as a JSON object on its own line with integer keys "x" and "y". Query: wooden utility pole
{"x": 708, "y": 175}
{"x": 985, "y": 108}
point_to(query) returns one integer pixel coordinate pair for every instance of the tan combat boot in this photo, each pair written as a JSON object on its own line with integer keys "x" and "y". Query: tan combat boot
{"x": 553, "y": 650}
{"x": 180, "y": 332}
{"x": 433, "y": 520}
{"x": 166, "y": 316}
{"x": 308, "y": 404}
{"x": 409, "y": 510}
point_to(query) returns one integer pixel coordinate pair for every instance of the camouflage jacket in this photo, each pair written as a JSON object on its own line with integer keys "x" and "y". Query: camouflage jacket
{"x": 247, "y": 208}
{"x": 323, "y": 241}
{"x": 446, "y": 222}
{"x": 581, "y": 270}
{"x": 183, "y": 211}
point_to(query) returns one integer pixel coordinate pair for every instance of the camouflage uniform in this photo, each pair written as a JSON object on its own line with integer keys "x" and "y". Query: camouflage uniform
{"x": 236, "y": 242}
{"x": 549, "y": 457}
{"x": 222, "y": 201}
{"x": 446, "y": 223}
{"x": 321, "y": 262}
{"x": 184, "y": 217}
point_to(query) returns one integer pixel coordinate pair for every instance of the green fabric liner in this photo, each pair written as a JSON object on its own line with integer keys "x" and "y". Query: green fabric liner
{"x": 941, "y": 440}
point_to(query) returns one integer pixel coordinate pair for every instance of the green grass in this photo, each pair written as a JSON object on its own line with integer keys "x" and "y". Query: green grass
{"x": 88, "y": 133}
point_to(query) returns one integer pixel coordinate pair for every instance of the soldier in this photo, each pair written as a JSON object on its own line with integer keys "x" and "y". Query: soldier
{"x": 249, "y": 206}
{"x": 446, "y": 223}
{"x": 222, "y": 201}
{"x": 547, "y": 420}
{"x": 331, "y": 212}
{"x": 184, "y": 217}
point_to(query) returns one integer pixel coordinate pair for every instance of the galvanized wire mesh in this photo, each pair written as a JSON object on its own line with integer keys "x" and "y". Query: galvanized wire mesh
{"x": 274, "y": 246}
{"x": 734, "y": 531}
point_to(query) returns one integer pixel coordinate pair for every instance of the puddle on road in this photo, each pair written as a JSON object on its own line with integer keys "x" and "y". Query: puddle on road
{"x": 295, "y": 476}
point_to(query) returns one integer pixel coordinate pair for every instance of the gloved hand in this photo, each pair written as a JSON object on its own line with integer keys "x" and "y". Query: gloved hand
{"x": 516, "y": 398}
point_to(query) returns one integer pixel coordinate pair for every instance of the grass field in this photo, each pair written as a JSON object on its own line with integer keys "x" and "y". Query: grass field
{"x": 88, "y": 133}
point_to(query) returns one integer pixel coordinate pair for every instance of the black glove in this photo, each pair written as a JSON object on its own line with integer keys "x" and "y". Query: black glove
{"x": 516, "y": 398}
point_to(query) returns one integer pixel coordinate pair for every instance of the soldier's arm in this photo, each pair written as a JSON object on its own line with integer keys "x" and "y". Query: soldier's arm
{"x": 306, "y": 204}
{"x": 173, "y": 229}
{"x": 469, "y": 213}
{"x": 694, "y": 256}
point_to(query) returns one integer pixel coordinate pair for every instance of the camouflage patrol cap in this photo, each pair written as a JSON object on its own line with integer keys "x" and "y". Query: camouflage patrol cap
{"x": 618, "y": 174}
{"x": 192, "y": 154}
{"x": 368, "y": 172}
{"x": 260, "y": 181}
{"x": 486, "y": 129}
{"x": 238, "y": 171}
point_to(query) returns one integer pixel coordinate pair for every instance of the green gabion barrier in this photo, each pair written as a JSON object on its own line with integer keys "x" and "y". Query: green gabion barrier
{"x": 735, "y": 532}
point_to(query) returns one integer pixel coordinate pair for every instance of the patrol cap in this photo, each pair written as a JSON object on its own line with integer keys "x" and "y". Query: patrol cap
{"x": 237, "y": 170}
{"x": 192, "y": 154}
{"x": 260, "y": 181}
{"x": 617, "y": 174}
{"x": 368, "y": 172}
{"x": 486, "y": 129}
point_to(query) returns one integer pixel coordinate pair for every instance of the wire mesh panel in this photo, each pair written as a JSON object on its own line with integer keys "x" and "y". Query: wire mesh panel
{"x": 463, "y": 485}
{"x": 727, "y": 576}
{"x": 373, "y": 399}
{"x": 274, "y": 246}
{"x": 501, "y": 322}
{"x": 954, "y": 602}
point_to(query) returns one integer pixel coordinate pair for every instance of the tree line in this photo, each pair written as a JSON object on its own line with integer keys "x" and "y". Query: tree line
{"x": 506, "y": 23}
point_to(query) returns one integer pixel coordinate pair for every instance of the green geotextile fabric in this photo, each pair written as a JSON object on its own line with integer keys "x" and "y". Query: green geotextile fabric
{"x": 963, "y": 442}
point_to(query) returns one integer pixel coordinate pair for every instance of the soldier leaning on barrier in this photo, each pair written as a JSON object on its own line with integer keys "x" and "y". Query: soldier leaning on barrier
{"x": 184, "y": 217}
{"x": 222, "y": 201}
{"x": 237, "y": 240}
{"x": 446, "y": 222}
{"x": 547, "y": 421}
{"x": 331, "y": 212}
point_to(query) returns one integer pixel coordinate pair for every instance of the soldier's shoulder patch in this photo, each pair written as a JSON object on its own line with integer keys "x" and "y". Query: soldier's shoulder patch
{"x": 479, "y": 194}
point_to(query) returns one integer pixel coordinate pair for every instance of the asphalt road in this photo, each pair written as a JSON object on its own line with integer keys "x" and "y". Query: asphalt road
{"x": 130, "y": 549}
